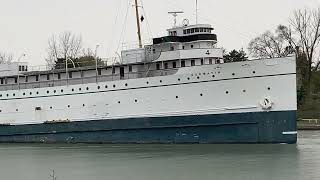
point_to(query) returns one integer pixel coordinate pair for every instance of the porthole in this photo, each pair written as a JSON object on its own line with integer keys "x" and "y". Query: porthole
{"x": 72, "y": 89}
{"x": 188, "y": 78}
{"x": 114, "y": 86}
{"x": 213, "y": 76}
{"x": 179, "y": 79}
{"x": 0, "y": 95}
{"x": 201, "y": 94}
{"x": 79, "y": 89}
{"x": 37, "y": 92}
{"x": 253, "y": 72}
{"x": 126, "y": 84}
{"x": 68, "y": 106}
{"x": 17, "y": 110}
{"x": 160, "y": 81}
{"x": 135, "y": 100}
{"x": 98, "y": 87}
{"x": 13, "y": 94}
{"x": 204, "y": 73}
{"x": 227, "y": 92}
{"x": 7, "y": 95}
{"x": 83, "y": 105}
{"x": 177, "y": 97}
{"x": 269, "y": 88}
{"x": 233, "y": 74}
{"x": 51, "y": 107}
{"x": 87, "y": 88}
{"x": 198, "y": 77}
{"x": 106, "y": 86}
{"x": 47, "y": 92}
{"x": 24, "y": 94}
{"x": 30, "y": 93}
{"x": 0, "y": 110}
{"x": 244, "y": 91}
{"x": 119, "y": 102}
{"x": 147, "y": 82}
{"x": 61, "y": 90}
{"x": 54, "y": 91}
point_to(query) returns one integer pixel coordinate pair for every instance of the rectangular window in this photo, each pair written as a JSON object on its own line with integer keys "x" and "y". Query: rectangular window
{"x": 174, "y": 65}
{"x": 26, "y": 69}
{"x": 184, "y": 31}
{"x": 48, "y": 77}
{"x": 15, "y": 80}
{"x": 99, "y": 72}
{"x": 192, "y": 30}
{"x": 130, "y": 68}
{"x": 26, "y": 79}
{"x": 210, "y": 61}
{"x": 166, "y": 65}
{"x": 218, "y": 61}
{"x": 201, "y": 61}
{"x": 188, "y": 31}
{"x": 193, "y": 63}
{"x": 37, "y": 77}
{"x": 82, "y": 74}
{"x": 197, "y": 30}
{"x": 201, "y": 29}
{"x": 182, "y": 47}
{"x": 20, "y": 68}
{"x": 1, "y": 81}
{"x": 158, "y": 66}
{"x": 183, "y": 64}
{"x": 6, "y": 80}
{"x": 59, "y": 76}
{"x": 70, "y": 74}
{"x": 113, "y": 70}
{"x": 171, "y": 48}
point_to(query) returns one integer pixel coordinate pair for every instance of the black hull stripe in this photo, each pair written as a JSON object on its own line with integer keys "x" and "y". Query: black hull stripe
{"x": 125, "y": 89}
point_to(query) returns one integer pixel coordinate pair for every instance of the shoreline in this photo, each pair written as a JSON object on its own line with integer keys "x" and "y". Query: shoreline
{"x": 308, "y": 124}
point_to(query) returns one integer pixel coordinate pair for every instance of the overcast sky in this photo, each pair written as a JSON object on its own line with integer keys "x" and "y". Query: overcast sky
{"x": 26, "y": 25}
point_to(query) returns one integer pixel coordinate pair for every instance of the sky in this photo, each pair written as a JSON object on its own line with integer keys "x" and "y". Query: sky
{"x": 26, "y": 25}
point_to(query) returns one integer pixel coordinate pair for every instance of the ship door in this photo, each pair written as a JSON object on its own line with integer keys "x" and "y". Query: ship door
{"x": 121, "y": 72}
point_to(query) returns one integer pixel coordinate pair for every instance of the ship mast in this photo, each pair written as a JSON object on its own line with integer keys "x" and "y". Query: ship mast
{"x": 138, "y": 23}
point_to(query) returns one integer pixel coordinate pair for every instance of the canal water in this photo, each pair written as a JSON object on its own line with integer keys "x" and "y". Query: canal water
{"x": 161, "y": 162}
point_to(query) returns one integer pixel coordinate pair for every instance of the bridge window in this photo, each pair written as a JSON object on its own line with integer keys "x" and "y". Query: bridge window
{"x": 158, "y": 66}
{"x": 166, "y": 65}
{"x": 192, "y": 30}
{"x": 99, "y": 72}
{"x": 174, "y": 64}
{"x": 188, "y": 31}
{"x": 26, "y": 78}
{"x": 183, "y": 64}
{"x": 184, "y": 31}
{"x": 1, "y": 81}
{"x": 210, "y": 61}
{"x": 201, "y": 29}
{"x": 70, "y": 74}
{"x": 59, "y": 76}
{"x": 197, "y": 30}
{"x": 48, "y": 77}
{"x": 130, "y": 68}
{"x": 37, "y": 78}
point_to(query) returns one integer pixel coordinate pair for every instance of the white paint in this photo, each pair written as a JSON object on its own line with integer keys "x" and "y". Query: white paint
{"x": 290, "y": 133}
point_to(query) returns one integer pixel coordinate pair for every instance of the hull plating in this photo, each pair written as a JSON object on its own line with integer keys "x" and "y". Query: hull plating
{"x": 255, "y": 127}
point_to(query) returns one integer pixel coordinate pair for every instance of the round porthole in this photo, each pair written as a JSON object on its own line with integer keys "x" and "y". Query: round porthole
{"x": 227, "y": 92}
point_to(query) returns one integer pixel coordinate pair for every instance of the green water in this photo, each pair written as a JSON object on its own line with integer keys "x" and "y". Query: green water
{"x": 159, "y": 162}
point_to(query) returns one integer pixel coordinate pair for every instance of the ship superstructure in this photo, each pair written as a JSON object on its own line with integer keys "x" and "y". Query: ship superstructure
{"x": 176, "y": 90}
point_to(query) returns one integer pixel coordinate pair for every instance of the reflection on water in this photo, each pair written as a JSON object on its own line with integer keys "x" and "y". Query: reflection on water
{"x": 138, "y": 162}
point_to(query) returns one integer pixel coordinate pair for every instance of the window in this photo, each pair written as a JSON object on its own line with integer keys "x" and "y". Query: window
{"x": 59, "y": 76}
{"x": 99, "y": 72}
{"x": 184, "y": 31}
{"x": 26, "y": 68}
{"x": 113, "y": 70}
{"x": 197, "y": 30}
{"x": 166, "y": 65}
{"x": 188, "y": 31}
{"x": 20, "y": 68}
{"x": 183, "y": 64}
{"x": 15, "y": 80}
{"x": 218, "y": 61}
{"x": 82, "y": 74}
{"x": 1, "y": 81}
{"x": 182, "y": 47}
{"x": 70, "y": 74}
{"x": 171, "y": 48}
{"x": 201, "y": 61}
{"x": 37, "y": 78}
{"x": 26, "y": 79}
{"x": 158, "y": 66}
{"x": 201, "y": 29}
{"x": 48, "y": 77}
{"x": 130, "y": 68}
{"x": 192, "y": 30}
{"x": 174, "y": 65}
{"x": 191, "y": 46}
{"x": 210, "y": 61}
{"x": 193, "y": 63}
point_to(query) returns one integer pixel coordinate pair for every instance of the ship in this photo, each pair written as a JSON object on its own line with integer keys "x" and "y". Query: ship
{"x": 178, "y": 89}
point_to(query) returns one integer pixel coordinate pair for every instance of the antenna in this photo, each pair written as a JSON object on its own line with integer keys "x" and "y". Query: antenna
{"x": 175, "y": 14}
{"x": 196, "y": 11}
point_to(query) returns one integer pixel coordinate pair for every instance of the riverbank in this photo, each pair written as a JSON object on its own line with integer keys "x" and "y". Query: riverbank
{"x": 308, "y": 124}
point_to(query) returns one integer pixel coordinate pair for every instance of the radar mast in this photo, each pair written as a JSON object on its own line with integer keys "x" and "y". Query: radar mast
{"x": 175, "y": 14}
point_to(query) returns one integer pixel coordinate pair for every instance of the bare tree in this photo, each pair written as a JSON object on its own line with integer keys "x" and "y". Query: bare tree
{"x": 67, "y": 45}
{"x": 268, "y": 45}
{"x": 5, "y": 58}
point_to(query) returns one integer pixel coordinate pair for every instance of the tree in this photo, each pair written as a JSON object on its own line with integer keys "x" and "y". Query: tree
{"x": 66, "y": 46}
{"x": 269, "y": 45}
{"x": 5, "y": 58}
{"x": 235, "y": 56}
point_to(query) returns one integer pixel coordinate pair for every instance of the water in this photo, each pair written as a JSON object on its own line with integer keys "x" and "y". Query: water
{"x": 159, "y": 162}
